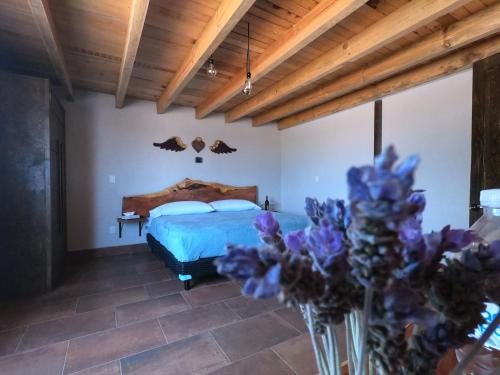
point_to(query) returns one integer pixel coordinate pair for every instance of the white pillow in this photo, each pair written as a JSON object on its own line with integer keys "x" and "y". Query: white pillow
{"x": 234, "y": 205}
{"x": 180, "y": 208}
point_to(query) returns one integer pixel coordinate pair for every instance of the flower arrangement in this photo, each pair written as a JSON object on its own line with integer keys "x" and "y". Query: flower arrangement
{"x": 367, "y": 264}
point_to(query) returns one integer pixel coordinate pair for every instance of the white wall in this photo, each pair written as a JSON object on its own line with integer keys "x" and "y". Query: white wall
{"x": 324, "y": 149}
{"x": 434, "y": 121}
{"x": 104, "y": 141}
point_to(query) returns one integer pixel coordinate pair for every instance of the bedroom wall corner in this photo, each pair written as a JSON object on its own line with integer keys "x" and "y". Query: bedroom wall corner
{"x": 315, "y": 156}
{"x": 103, "y": 141}
{"x": 434, "y": 121}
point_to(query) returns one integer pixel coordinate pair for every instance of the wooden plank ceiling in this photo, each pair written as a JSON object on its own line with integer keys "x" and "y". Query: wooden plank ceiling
{"x": 328, "y": 50}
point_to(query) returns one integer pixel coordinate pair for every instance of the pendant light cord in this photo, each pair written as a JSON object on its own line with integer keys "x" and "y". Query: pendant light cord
{"x": 248, "y": 48}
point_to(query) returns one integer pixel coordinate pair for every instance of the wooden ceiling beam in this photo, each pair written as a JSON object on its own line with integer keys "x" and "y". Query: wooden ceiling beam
{"x": 402, "y": 21}
{"x": 138, "y": 12}
{"x": 40, "y": 10}
{"x": 457, "y": 61}
{"x": 220, "y": 25}
{"x": 469, "y": 30}
{"x": 320, "y": 19}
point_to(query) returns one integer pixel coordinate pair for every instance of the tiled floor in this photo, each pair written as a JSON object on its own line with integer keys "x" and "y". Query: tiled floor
{"x": 126, "y": 314}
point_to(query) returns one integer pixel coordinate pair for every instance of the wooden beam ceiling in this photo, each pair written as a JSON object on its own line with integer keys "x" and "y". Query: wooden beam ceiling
{"x": 40, "y": 10}
{"x": 402, "y": 21}
{"x": 475, "y": 27}
{"x": 320, "y": 19}
{"x": 226, "y": 17}
{"x": 92, "y": 36}
{"x": 454, "y": 62}
{"x": 138, "y": 12}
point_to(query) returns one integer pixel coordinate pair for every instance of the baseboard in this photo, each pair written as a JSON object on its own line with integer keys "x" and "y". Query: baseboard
{"x": 107, "y": 251}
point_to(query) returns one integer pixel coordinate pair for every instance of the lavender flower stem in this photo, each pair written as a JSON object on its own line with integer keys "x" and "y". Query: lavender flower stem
{"x": 350, "y": 345}
{"x": 366, "y": 318}
{"x": 337, "y": 352}
{"x": 477, "y": 346}
{"x": 327, "y": 353}
{"x": 332, "y": 349}
{"x": 371, "y": 370}
{"x": 319, "y": 356}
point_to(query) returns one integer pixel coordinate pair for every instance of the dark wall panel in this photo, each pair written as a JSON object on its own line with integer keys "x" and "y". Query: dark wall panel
{"x": 485, "y": 164}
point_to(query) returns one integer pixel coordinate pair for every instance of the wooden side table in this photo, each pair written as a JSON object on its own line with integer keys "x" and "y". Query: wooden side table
{"x": 121, "y": 221}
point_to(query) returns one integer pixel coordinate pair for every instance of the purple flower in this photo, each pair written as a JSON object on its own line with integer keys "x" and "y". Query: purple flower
{"x": 267, "y": 225}
{"x": 296, "y": 241}
{"x": 313, "y": 210}
{"x": 324, "y": 244}
{"x": 405, "y": 305}
{"x": 452, "y": 240}
{"x": 260, "y": 268}
{"x": 336, "y": 213}
{"x": 494, "y": 250}
{"x": 483, "y": 258}
{"x": 240, "y": 262}
{"x": 410, "y": 232}
{"x": 264, "y": 287}
{"x": 386, "y": 160}
{"x": 406, "y": 171}
{"x": 380, "y": 182}
{"x": 419, "y": 202}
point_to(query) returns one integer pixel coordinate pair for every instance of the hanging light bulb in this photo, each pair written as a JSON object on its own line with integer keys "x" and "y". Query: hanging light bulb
{"x": 247, "y": 89}
{"x": 211, "y": 71}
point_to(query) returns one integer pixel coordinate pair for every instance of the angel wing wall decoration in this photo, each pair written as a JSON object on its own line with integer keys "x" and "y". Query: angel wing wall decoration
{"x": 220, "y": 147}
{"x": 172, "y": 144}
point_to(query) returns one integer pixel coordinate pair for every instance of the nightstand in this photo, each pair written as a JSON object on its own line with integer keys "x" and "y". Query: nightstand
{"x": 139, "y": 220}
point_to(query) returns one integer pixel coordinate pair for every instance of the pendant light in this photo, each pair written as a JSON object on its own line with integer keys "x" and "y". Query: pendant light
{"x": 211, "y": 71}
{"x": 247, "y": 89}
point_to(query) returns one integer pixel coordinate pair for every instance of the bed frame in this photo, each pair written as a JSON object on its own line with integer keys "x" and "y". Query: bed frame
{"x": 186, "y": 190}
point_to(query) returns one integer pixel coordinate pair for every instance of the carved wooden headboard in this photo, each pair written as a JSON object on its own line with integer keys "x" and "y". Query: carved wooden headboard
{"x": 188, "y": 190}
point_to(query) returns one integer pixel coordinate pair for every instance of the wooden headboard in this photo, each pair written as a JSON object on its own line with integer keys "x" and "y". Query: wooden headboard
{"x": 188, "y": 190}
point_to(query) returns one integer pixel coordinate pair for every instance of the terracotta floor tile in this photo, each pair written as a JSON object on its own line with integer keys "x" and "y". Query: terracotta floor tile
{"x": 9, "y": 340}
{"x": 215, "y": 293}
{"x": 123, "y": 260}
{"x": 106, "y": 272}
{"x": 262, "y": 363}
{"x": 127, "y": 281}
{"x": 149, "y": 309}
{"x": 209, "y": 280}
{"x": 164, "y": 288}
{"x": 24, "y": 314}
{"x": 110, "y": 345}
{"x": 112, "y": 368}
{"x": 298, "y": 354}
{"x": 81, "y": 288}
{"x": 247, "y": 307}
{"x": 195, "y": 355}
{"x": 194, "y": 321}
{"x": 114, "y": 298}
{"x": 292, "y": 316}
{"x": 249, "y": 336}
{"x": 149, "y": 266}
{"x": 67, "y": 328}
{"x": 44, "y": 361}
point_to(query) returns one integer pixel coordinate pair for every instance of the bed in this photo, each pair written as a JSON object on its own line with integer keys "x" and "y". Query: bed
{"x": 189, "y": 244}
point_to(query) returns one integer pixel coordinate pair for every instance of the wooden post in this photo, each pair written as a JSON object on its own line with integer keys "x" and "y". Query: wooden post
{"x": 485, "y": 156}
{"x": 377, "y": 139}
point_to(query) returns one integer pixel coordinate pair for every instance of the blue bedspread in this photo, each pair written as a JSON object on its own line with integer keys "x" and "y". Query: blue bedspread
{"x": 191, "y": 237}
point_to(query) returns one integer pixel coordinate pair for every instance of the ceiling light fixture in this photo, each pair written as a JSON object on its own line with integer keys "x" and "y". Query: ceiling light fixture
{"x": 247, "y": 89}
{"x": 211, "y": 71}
